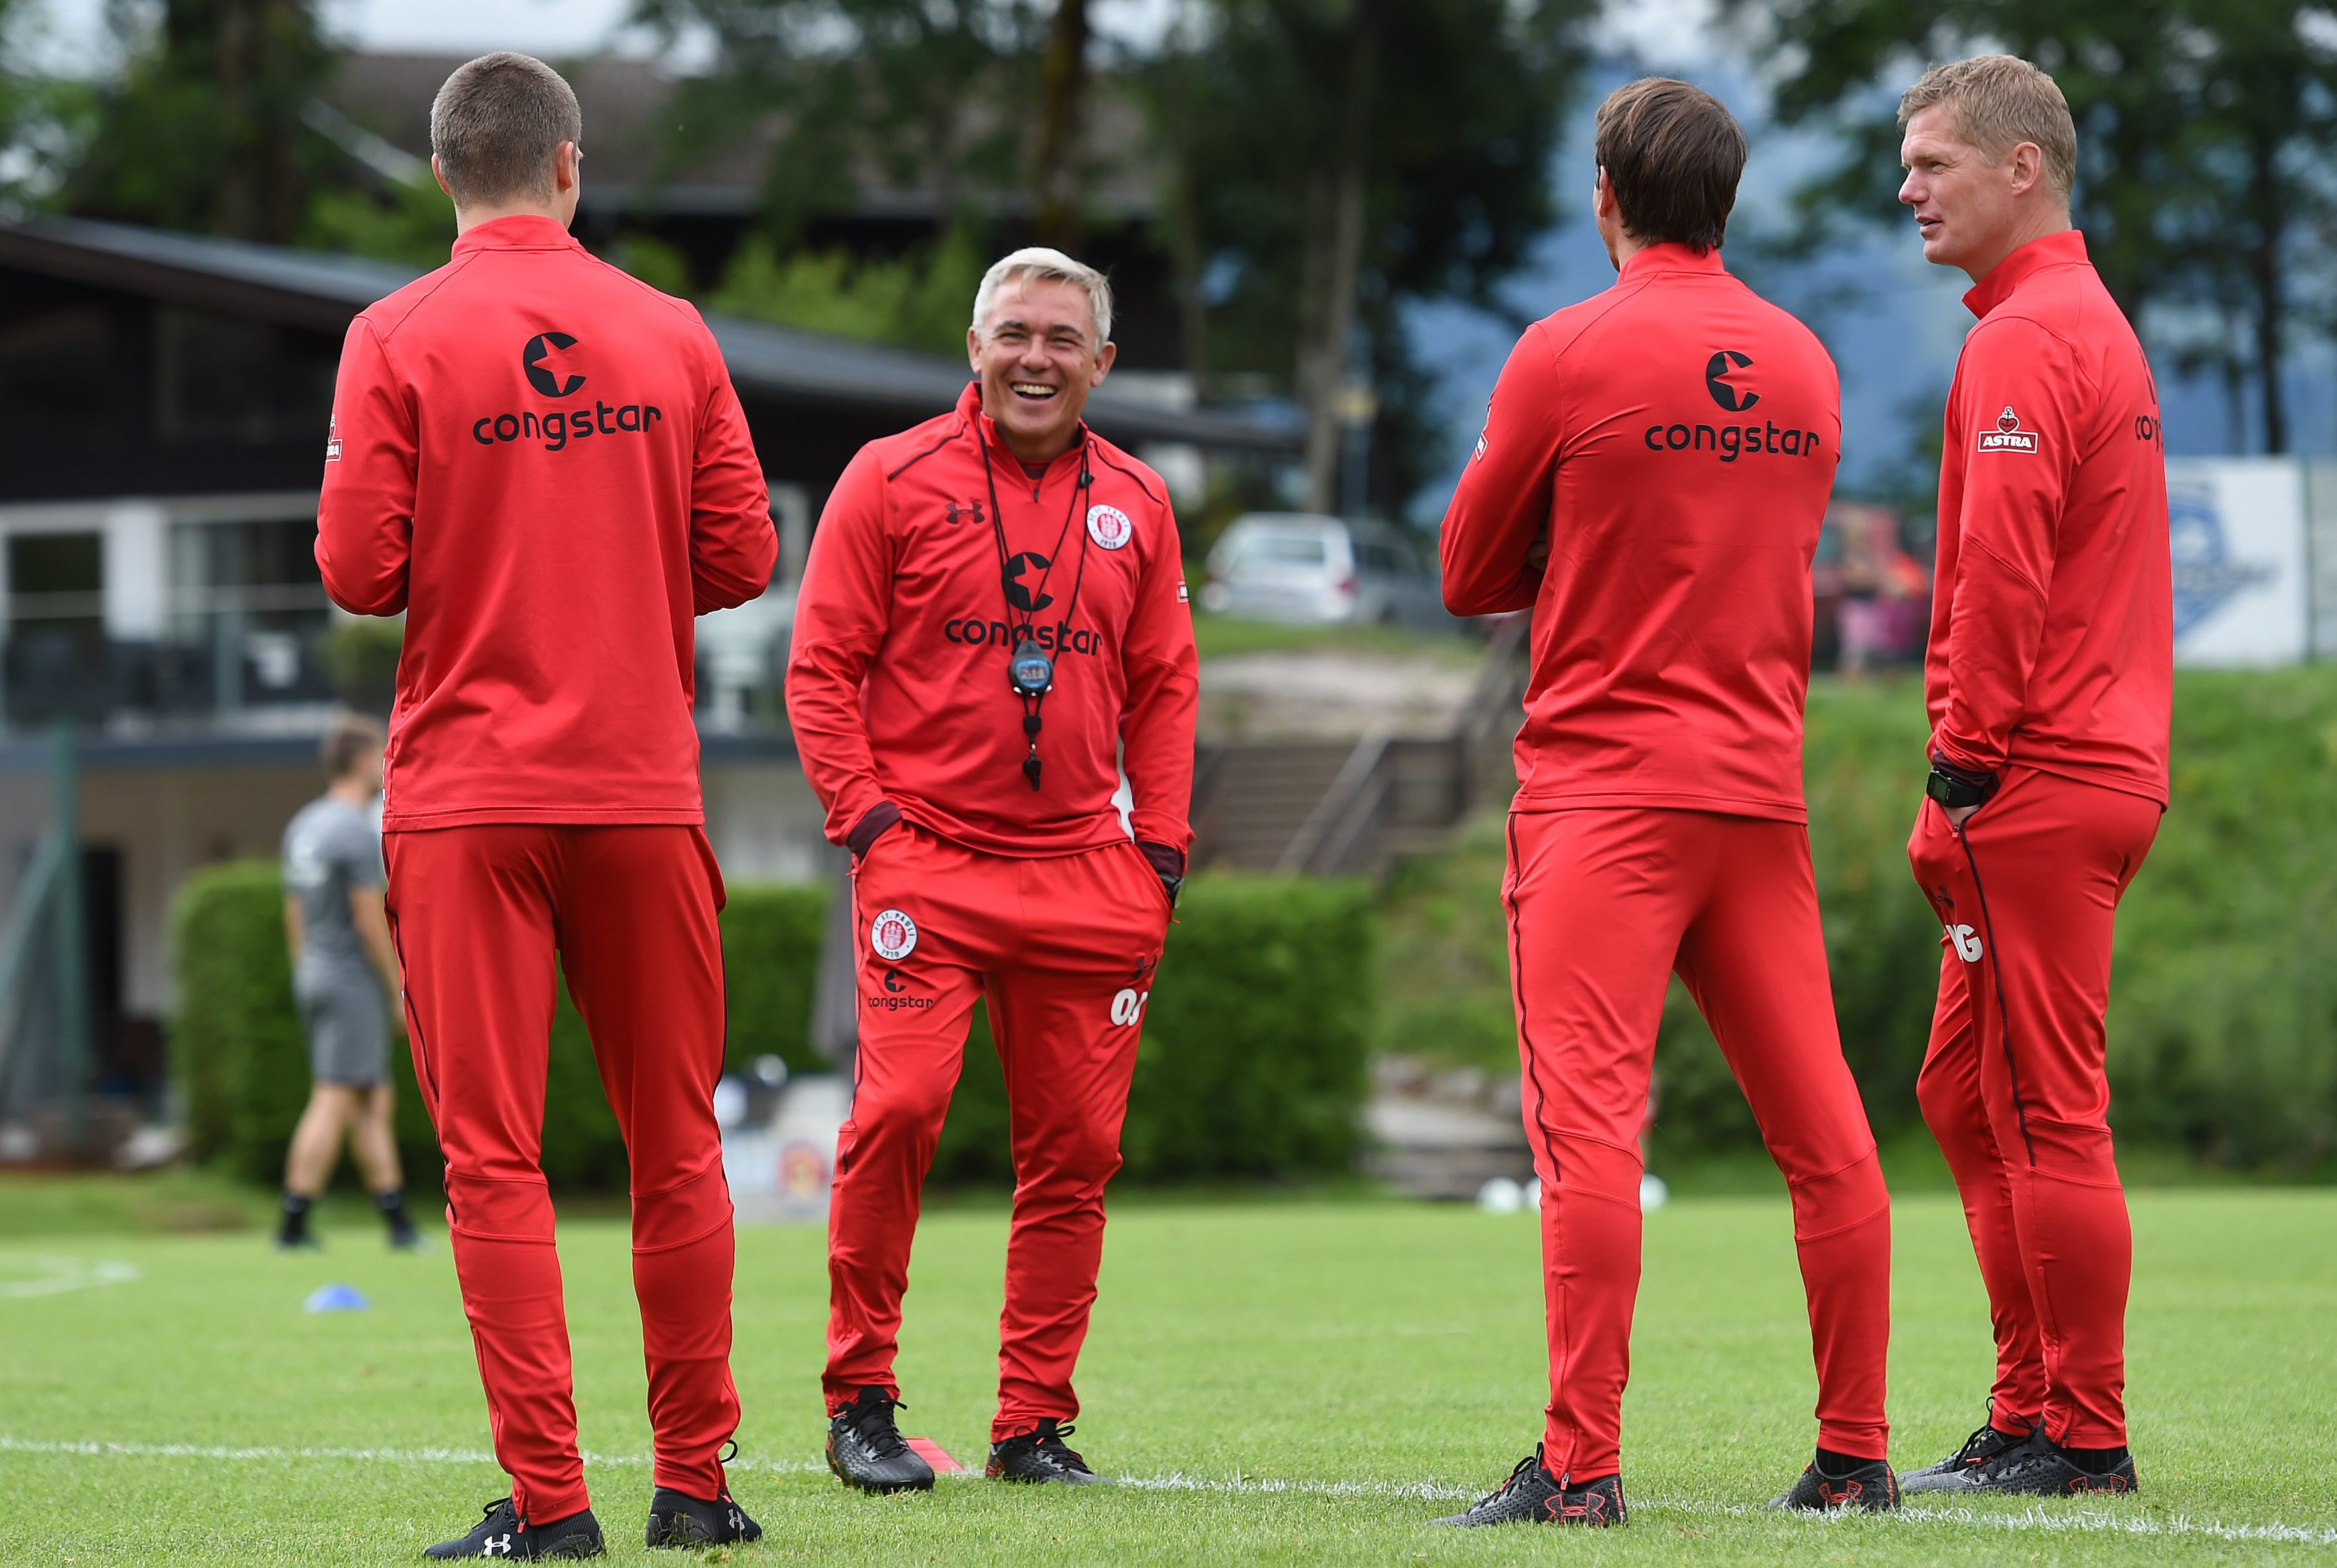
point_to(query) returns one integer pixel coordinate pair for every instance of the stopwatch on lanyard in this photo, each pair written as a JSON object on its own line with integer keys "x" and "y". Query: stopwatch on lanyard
{"x": 1031, "y": 669}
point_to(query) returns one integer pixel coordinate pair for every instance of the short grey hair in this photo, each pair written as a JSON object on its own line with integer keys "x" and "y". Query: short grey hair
{"x": 495, "y": 125}
{"x": 1052, "y": 266}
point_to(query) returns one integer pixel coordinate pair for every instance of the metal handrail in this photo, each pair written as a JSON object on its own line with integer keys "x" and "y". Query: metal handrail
{"x": 1354, "y": 777}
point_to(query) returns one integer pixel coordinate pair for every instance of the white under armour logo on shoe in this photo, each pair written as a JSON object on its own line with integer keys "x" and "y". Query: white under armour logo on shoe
{"x": 496, "y": 1546}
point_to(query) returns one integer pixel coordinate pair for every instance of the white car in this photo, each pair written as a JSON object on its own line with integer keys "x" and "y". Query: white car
{"x": 1305, "y": 567}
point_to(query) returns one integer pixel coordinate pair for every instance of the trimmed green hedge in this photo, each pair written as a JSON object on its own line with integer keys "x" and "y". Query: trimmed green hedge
{"x": 1252, "y": 1062}
{"x": 2223, "y": 1022}
{"x": 1255, "y": 1041}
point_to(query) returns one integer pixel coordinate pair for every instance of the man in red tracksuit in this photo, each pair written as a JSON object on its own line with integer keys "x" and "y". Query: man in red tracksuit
{"x": 1654, "y": 469}
{"x": 2047, "y": 683}
{"x": 542, "y": 463}
{"x": 992, "y": 626}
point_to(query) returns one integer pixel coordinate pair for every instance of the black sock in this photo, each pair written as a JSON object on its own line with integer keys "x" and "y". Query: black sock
{"x": 392, "y": 1204}
{"x": 296, "y": 1214}
{"x": 1839, "y": 1464}
{"x": 2096, "y": 1461}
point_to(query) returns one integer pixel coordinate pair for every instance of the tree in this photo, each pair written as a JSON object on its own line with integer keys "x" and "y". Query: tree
{"x": 204, "y": 132}
{"x": 920, "y": 96}
{"x": 1334, "y": 160}
{"x": 2203, "y": 127}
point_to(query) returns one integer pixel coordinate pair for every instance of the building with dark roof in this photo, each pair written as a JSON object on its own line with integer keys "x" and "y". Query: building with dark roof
{"x": 163, "y": 406}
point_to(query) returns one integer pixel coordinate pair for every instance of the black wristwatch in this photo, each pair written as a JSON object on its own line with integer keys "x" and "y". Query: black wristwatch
{"x": 1954, "y": 787}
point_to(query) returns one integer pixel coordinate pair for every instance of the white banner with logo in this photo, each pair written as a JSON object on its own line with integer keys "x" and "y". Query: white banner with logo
{"x": 2241, "y": 592}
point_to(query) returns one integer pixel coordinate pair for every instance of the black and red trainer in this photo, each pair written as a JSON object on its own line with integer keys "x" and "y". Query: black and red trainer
{"x": 504, "y": 1533}
{"x": 2041, "y": 1468}
{"x": 1040, "y": 1455}
{"x": 866, "y": 1450}
{"x": 1825, "y": 1488}
{"x": 1952, "y": 1473}
{"x": 1532, "y": 1496}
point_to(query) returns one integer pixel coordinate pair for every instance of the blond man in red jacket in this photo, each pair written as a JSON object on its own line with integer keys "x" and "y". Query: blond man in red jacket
{"x": 2047, "y": 680}
{"x": 993, "y": 629}
{"x": 541, "y": 462}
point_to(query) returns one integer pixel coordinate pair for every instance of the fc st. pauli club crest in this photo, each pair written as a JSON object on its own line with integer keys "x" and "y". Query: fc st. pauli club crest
{"x": 1108, "y": 527}
{"x": 893, "y": 935}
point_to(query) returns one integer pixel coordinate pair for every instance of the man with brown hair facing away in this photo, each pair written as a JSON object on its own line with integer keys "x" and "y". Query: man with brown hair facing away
{"x": 1650, "y": 483}
{"x": 543, "y": 463}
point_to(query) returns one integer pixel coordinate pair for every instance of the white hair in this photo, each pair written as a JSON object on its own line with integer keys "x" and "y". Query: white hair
{"x": 1053, "y": 267}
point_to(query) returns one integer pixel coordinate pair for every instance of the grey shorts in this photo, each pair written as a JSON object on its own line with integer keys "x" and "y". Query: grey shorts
{"x": 348, "y": 1031}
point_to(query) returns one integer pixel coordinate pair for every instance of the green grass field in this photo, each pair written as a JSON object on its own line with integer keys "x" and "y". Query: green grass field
{"x": 1284, "y": 1381}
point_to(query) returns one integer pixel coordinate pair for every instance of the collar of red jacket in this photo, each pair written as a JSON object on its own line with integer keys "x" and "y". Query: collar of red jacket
{"x": 2052, "y": 250}
{"x": 526, "y": 231}
{"x": 1667, "y": 257}
{"x": 969, "y": 407}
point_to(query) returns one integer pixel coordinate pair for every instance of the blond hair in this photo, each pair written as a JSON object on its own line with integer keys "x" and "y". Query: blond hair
{"x": 2001, "y": 101}
{"x": 1049, "y": 267}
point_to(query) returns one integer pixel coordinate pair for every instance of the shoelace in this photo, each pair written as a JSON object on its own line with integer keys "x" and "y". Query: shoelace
{"x": 1054, "y": 1447}
{"x": 1974, "y": 1450}
{"x": 500, "y": 1503}
{"x": 2019, "y": 1457}
{"x": 873, "y": 1420}
{"x": 1530, "y": 1462}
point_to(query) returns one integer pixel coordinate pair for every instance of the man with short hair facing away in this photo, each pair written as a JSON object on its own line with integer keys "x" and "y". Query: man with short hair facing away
{"x": 992, "y": 626}
{"x": 2047, "y": 683}
{"x": 1654, "y": 469}
{"x": 344, "y": 972}
{"x": 541, "y": 462}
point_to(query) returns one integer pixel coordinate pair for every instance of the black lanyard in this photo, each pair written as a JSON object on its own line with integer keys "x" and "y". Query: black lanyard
{"x": 1030, "y": 670}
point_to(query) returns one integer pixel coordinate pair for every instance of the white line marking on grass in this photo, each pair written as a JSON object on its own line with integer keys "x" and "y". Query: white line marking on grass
{"x": 2032, "y": 1518}
{"x": 61, "y": 1275}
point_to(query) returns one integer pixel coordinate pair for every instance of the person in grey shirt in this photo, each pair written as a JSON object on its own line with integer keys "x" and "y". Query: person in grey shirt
{"x": 342, "y": 961}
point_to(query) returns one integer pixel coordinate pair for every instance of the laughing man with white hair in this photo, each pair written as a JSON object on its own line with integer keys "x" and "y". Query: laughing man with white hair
{"x": 993, "y": 625}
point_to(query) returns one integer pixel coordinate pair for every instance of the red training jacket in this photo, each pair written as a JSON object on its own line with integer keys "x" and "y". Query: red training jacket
{"x": 897, "y": 682}
{"x": 1674, "y": 441}
{"x": 2053, "y": 620}
{"x": 541, "y": 462}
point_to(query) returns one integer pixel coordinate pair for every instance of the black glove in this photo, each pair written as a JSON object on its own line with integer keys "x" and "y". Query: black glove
{"x": 1169, "y": 865}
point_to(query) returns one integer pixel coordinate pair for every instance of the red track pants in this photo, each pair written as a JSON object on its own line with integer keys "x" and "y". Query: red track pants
{"x": 2014, "y": 1090}
{"x": 479, "y": 914}
{"x": 1604, "y": 904}
{"x": 1064, "y": 949}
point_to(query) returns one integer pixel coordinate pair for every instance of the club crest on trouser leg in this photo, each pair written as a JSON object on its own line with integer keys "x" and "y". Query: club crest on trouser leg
{"x": 893, "y": 935}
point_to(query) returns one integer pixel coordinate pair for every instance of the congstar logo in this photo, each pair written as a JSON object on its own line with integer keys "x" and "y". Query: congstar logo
{"x": 1715, "y": 380}
{"x": 540, "y": 376}
{"x": 1019, "y": 594}
{"x": 556, "y": 429}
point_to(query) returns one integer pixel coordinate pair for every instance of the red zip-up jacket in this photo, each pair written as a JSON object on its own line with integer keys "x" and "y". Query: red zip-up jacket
{"x": 2053, "y": 615}
{"x": 1674, "y": 440}
{"x": 897, "y": 681}
{"x": 541, "y": 462}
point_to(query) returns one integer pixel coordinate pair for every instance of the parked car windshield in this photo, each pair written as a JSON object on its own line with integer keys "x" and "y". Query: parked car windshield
{"x": 1297, "y": 549}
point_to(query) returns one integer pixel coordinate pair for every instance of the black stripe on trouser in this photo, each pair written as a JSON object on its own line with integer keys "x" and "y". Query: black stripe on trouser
{"x": 1995, "y": 976}
{"x": 1518, "y": 999}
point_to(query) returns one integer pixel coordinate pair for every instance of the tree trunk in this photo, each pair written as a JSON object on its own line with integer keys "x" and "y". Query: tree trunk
{"x": 1056, "y": 176}
{"x": 1185, "y": 254}
{"x": 1336, "y": 274}
{"x": 2265, "y": 273}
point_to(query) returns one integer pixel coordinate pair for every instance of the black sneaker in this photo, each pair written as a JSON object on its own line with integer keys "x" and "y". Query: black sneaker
{"x": 504, "y": 1533}
{"x": 1040, "y": 1455}
{"x": 678, "y": 1519}
{"x": 1532, "y": 1496}
{"x": 866, "y": 1450}
{"x": 1869, "y": 1487}
{"x": 2041, "y": 1468}
{"x": 1952, "y": 1473}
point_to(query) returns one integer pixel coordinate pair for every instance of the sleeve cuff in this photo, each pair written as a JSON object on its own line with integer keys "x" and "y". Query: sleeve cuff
{"x": 1170, "y": 863}
{"x": 871, "y": 826}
